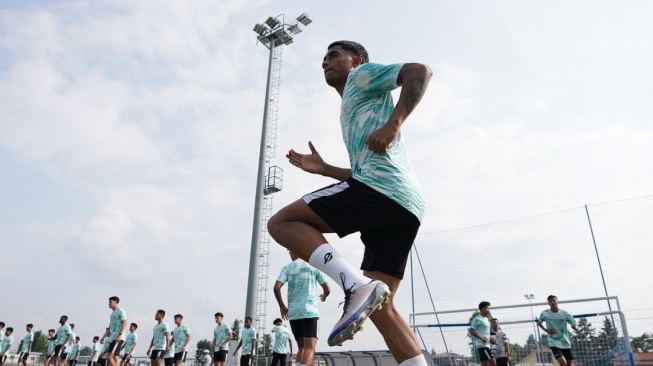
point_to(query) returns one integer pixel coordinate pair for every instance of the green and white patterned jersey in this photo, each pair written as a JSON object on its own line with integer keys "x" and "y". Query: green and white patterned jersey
{"x": 49, "y": 347}
{"x": 62, "y": 333}
{"x": 115, "y": 323}
{"x": 557, "y": 321}
{"x": 129, "y": 342}
{"x": 180, "y": 334}
{"x": 281, "y": 336}
{"x": 220, "y": 334}
{"x": 366, "y": 106}
{"x": 6, "y": 343}
{"x": 303, "y": 281}
{"x": 29, "y": 337}
{"x": 481, "y": 325}
{"x": 74, "y": 351}
{"x": 248, "y": 336}
{"x": 95, "y": 351}
{"x": 70, "y": 343}
{"x": 171, "y": 352}
{"x": 159, "y": 336}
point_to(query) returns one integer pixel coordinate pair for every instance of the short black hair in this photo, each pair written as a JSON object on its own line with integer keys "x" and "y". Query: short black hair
{"x": 114, "y": 298}
{"x": 161, "y": 312}
{"x": 51, "y": 330}
{"x": 353, "y": 47}
{"x": 2, "y": 324}
{"x": 64, "y": 317}
{"x": 135, "y": 325}
{"x": 30, "y": 325}
{"x": 277, "y": 320}
{"x": 96, "y": 338}
{"x": 551, "y": 297}
{"x": 483, "y": 304}
{"x": 493, "y": 319}
{"x": 178, "y": 316}
{"x": 10, "y": 329}
{"x": 219, "y": 314}
{"x": 248, "y": 318}
{"x": 76, "y": 338}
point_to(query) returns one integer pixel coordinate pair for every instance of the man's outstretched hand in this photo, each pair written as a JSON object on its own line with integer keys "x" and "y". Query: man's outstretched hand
{"x": 311, "y": 163}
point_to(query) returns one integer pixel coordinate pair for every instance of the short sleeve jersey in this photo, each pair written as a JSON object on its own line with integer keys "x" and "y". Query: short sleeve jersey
{"x": 49, "y": 347}
{"x": 6, "y": 343}
{"x": 95, "y": 351}
{"x": 62, "y": 333}
{"x": 115, "y": 323}
{"x": 499, "y": 344}
{"x": 171, "y": 351}
{"x": 558, "y": 322}
{"x": 220, "y": 334}
{"x": 69, "y": 345}
{"x": 180, "y": 334}
{"x": 248, "y": 336}
{"x": 281, "y": 336}
{"x": 129, "y": 342}
{"x": 159, "y": 336}
{"x": 481, "y": 325}
{"x": 29, "y": 337}
{"x": 303, "y": 281}
{"x": 366, "y": 106}
{"x": 74, "y": 351}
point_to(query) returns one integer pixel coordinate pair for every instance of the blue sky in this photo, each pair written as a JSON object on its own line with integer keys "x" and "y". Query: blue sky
{"x": 130, "y": 130}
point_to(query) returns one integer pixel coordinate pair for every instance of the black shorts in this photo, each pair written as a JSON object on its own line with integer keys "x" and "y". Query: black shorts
{"x": 23, "y": 356}
{"x": 245, "y": 360}
{"x": 387, "y": 229}
{"x": 220, "y": 356}
{"x": 304, "y": 328}
{"x": 3, "y": 358}
{"x": 181, "y": 356}
{"x": 72, "y": 362}
{"x": 485, "y": 353}
{"x": 64, "y": 356}
{"x": 115, "y": 347}
{"x": 57, "y": 349}
{"x": 502, "y": 361}
{"x": 562, "y": 352}
{"x": 278, "y": 358}
{"x": 157, "y": 353}
{"x": 126, "y": 358}
{"x": 102, "y": 361}
{"x": 169, "y": 361}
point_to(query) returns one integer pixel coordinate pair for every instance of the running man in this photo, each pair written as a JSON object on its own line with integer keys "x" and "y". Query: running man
{"x": 74, "y": 352}
{"x": 248, "y": 342}
{"x": 61, "y": 338}
{"x": 180, "y": 339}
{"x": 221, "y": 336}
{"x": 378, "y": 196}
{"x": 160, "y": 343}
{"x": 130, "y": 345}
{"x": 26, "y": 348}
{"x": 49, "y": 347}
{"x": 6, "y": 343}
{"x": 281, "y": 339}
{"x": 117, "y": 327}
{"x": 302, "y": 309}
{"x": 500, "y": 344}
{"x": 556, "y": 321}
{"x": 95, "y": 352}
{"x": 480, "y": 331}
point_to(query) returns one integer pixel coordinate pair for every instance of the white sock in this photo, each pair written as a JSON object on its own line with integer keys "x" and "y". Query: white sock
{"x": 326, "y": 259}
{"x": 418, "y": 360}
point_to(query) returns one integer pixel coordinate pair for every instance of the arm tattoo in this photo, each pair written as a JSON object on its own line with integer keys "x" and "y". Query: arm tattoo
{"x": 415, "y": 91}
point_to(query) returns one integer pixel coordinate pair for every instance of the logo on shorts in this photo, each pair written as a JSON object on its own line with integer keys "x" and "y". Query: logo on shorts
{"x": 328, "y": 257}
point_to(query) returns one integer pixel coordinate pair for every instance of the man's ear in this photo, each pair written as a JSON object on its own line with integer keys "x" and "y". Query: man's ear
{"x": 357, "y": 61}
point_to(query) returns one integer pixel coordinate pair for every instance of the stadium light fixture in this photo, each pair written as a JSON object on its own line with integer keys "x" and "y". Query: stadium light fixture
{"x": 274, "y": 32}
{"x": 304, "y": 19}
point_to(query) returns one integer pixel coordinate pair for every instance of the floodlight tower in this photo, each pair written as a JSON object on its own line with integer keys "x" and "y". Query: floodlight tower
{"x": 273, "y": 34}
{"x": 536, "y": 331}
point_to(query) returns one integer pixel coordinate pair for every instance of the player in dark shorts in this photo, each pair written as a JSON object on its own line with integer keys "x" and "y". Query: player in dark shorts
{"x": 378, "y": 196}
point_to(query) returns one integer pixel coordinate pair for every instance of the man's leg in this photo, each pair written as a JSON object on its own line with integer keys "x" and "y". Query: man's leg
{"x": 300, "y": 350}
{"x": 395, "y": 331}
{"x": 309, "y": 350}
